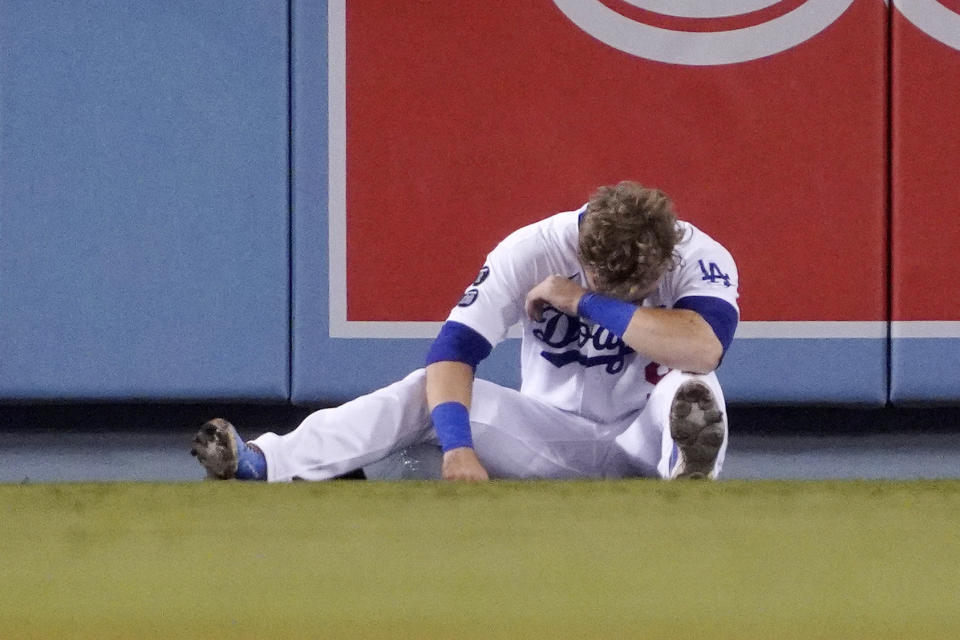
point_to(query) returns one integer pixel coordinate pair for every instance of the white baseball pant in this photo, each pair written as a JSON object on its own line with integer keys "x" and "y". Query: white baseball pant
{"x": 515, "y": 436}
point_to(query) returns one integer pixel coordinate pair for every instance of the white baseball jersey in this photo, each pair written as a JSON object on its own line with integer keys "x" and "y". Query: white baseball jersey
{"x": 568, "y": 362}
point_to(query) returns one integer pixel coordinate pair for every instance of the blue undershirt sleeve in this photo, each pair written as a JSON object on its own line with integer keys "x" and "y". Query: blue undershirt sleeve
{"x": 459, "y": 343}
{"x": 719, "y": 314}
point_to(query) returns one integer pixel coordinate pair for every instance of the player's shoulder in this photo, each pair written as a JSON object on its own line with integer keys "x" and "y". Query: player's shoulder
{"x": 695, "y": 241}
{"x": 557, "y": 231}
{"x": 703, "y": 263}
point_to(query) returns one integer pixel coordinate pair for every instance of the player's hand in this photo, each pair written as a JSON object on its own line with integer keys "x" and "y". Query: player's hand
{"x": 557, "y": 291}
{"x": 462, "y": 463}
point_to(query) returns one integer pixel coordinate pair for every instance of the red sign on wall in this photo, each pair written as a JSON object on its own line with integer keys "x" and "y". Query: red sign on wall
{"x": 764, "y": 120}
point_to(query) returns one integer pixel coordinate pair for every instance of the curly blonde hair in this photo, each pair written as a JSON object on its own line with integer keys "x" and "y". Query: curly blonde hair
{"x": 627, "y": 236}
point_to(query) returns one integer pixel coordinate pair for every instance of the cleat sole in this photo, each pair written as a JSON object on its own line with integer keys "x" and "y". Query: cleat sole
{"x": 696, "y": 425}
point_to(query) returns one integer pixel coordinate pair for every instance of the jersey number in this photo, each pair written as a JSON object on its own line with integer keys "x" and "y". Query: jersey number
{"x": 714, "y": 273}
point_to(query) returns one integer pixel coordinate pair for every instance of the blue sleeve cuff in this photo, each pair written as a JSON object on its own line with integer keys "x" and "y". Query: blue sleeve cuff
{"x": 610, "y": 313}
{"x": 451, "y": 421}
{"x": 459, "y": 343}
{"x": 719, "y": 314}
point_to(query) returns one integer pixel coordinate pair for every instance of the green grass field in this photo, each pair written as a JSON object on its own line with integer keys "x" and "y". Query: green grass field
{"x": 637, "y": 559}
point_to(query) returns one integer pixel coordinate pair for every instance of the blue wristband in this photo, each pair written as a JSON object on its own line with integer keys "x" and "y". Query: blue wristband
{"x": 451, "y": 420}
{"x": 609, "y": 313}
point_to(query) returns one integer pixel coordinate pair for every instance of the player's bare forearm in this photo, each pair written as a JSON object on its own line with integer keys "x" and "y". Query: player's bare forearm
{"x": 449, "y": 381}
{"x": 677, "y": 338}
{"x": 452, "y": 381}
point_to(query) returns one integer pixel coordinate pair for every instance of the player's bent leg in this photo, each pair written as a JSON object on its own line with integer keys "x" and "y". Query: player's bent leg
{"x": 682, "y": 430}
{"x": 517, "y": 436}
{"x": 698, "y": 430}
{"x": 221, "y": 451}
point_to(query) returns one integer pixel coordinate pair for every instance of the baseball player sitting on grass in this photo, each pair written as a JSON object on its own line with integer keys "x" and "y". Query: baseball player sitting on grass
{"x": 626, "y": 313}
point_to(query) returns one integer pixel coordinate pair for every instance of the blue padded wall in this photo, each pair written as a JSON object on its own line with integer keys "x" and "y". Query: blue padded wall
{"x": 310, "y": 366}
{"x": 848, "y": 371}
{"x": 924, "y": 370}
{"x": 144, "y": 217}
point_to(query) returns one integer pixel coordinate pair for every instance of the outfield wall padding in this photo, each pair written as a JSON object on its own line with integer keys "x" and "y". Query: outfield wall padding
{"x": 280, "y": 201}
{"x": 925, "y": 214}
{"x": 144, "y": 215}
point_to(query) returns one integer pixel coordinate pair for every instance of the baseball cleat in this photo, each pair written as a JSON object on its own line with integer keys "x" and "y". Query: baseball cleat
{"x": 215, "y": 447}
{"x": 696, "y": 424}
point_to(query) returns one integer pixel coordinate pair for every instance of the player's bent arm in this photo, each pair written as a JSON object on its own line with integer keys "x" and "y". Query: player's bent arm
{"x": 451, "y": 362}
{"x": 449, "y": 392}
{"x": 680, "y": 338}
{"x": 449, "y": 381}
{"x": 677, "y": 338}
